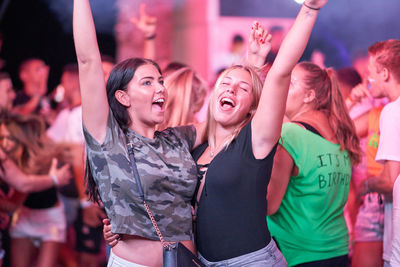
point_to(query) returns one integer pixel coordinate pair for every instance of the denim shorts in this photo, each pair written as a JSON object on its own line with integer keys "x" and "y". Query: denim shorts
{"x": 267, "y": 256}
{"x": 370, "y": 217}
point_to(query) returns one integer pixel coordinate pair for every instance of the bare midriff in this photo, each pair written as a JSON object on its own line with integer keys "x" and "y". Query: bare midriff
{"x": 144, "y": 251}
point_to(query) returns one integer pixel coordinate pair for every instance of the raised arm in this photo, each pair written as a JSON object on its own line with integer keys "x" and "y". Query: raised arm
{"x": 267, "y": 121}
{"x": 148, "y": 25}
{"x": 91, "y": 77}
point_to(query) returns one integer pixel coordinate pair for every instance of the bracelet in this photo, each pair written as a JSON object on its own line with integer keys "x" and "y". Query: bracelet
{"x": 310, "y": 7}
{"x": 151, "y": 37}
{"x": 83, "y": 203}
{"x": 54, "y": 179}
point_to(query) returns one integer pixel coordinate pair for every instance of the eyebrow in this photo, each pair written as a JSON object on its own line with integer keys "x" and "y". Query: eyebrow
{"x": 148, "y": 77}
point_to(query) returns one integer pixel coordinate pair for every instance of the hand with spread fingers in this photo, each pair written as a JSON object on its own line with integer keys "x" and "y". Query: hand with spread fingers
{"x": 147, "y": 24}
{"x": 259, "y": 45}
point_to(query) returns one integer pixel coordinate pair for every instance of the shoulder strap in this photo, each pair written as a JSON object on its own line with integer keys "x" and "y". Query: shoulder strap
{"x": 308, "y": 127}
{"x": 140, "y": 189}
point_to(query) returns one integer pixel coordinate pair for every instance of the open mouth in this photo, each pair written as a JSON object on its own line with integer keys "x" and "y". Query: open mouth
{"x": 159, "y": 103}
{"x": 227, "y": 103}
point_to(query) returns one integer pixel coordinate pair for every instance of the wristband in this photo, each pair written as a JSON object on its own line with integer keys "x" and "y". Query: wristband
{"x": 310, "y": 7}
{"x": 151, "y": 37}
{"x": 54, "y": 179}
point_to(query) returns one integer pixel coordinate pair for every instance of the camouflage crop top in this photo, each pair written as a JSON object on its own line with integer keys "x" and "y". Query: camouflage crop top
{"x": 167, "y": 172}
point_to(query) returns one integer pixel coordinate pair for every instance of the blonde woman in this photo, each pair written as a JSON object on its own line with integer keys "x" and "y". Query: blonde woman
{"x": 244, "y": 125}
{"x": 186, "y": 93}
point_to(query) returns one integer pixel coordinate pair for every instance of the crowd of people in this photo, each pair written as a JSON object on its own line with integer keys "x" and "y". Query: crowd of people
{"x": 294, "y": 164}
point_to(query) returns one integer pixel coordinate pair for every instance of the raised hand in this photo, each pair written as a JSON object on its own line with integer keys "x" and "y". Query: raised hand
{"x": 315, "y": 4}
{"x": 61, "y": 175}
{"x": 259, "y": 45}
{"x": 359, "y": 92}
{"x": 147, "y": 24}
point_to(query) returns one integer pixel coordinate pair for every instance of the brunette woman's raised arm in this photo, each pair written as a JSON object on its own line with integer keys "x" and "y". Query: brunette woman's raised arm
{"x": 267, "y": 121}
{"x": 95, "y": 106}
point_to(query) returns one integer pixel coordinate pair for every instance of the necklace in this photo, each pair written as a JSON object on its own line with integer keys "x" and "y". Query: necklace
{"x": 223, "y": 143}
{"x": 217, "y": 148}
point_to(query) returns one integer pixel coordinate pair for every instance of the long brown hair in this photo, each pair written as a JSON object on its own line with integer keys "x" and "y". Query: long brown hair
{"x": 37, "y": 150}
{"x": 329, "y": 100}
{"x": 119, "y": 79}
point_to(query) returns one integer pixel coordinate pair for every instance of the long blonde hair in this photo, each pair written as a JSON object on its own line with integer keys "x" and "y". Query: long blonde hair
{"x": 329, "y": 101}
{"x": 257, "y": 87}
{"x": 186, "y": 94}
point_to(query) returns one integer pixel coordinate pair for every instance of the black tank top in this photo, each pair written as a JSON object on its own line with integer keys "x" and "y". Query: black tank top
{"x": 42, "y": 200}
{"x": 231, "y": 215}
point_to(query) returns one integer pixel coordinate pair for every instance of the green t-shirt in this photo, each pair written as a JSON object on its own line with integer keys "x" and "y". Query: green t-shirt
{"x": 309, "y": 224}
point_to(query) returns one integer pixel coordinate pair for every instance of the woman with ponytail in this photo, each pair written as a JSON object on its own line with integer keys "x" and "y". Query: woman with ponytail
{"x": 312, "y": 169}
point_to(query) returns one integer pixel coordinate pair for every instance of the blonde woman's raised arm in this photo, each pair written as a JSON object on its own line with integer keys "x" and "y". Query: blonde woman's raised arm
{"x": 93, "y": 90}
{"x": 267, "y": 122}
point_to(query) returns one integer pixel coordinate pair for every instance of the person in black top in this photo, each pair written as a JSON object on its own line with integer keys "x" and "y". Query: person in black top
{"x": 244, "y": 124}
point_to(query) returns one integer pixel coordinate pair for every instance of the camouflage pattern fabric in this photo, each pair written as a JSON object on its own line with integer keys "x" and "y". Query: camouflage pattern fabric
{"x": 167, "y": 172}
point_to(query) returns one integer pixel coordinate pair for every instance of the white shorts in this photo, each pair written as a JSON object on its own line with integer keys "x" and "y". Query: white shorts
{"x": 115, "y": 261}
{"x": 39, "y": 224}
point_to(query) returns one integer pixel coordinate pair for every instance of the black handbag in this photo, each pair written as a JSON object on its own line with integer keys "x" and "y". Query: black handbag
{"x": 174, "y": 254}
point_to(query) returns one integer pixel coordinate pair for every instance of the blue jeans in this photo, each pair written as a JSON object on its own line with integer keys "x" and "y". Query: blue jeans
{"x": 340, "y": 261}
{"x": 267, "y": 256}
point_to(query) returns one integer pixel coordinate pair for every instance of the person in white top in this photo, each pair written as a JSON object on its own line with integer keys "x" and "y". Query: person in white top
{"x": 67, "y": 129}
{"x": 395, "y": 259}
{"x": 384, "y": 76}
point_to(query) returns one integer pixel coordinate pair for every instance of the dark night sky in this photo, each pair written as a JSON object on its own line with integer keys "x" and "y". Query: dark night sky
{"x": 42, "y": 28}
{"x": 344, "y": 27}
{"x": 32, "y": 29}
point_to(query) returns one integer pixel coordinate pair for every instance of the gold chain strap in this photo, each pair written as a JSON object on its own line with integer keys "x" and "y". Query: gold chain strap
{"x": 153, "y": 221}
